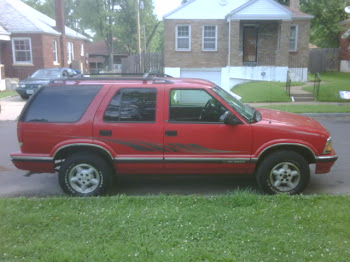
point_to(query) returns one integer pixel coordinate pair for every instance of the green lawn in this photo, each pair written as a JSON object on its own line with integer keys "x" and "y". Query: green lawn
{"x": 235, "y": 227}
{"x": 7, "y": 93}
{"x": 258, "y": 92}
{"x": 332, "y": 83}
{"x": 343, "y": 108}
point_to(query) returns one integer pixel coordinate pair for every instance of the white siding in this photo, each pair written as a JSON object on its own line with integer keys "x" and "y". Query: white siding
{"x": 210, "y": 74}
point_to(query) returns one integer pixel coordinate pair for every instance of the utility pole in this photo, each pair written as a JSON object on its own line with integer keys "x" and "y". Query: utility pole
{"x": 138, "y": 28}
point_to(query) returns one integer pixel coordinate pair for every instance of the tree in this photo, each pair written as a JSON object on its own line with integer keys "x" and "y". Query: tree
{"x": 325, "y": 26}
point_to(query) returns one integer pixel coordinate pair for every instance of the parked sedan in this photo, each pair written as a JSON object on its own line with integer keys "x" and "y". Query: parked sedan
{"x": 41, "y": 77}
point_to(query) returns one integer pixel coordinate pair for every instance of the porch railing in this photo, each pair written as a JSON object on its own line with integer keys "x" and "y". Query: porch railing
{"x": 317, "y": 84}
{"x": 288, "y": 83}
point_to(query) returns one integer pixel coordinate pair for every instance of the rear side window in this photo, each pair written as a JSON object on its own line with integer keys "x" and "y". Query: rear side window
{"x": 60, "y": 104}
{"x": 132, "y": 105}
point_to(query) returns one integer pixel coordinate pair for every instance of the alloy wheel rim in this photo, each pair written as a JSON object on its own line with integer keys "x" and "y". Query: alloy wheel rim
{"x": 84, "y": 178}
{"x": 285, "y": 176}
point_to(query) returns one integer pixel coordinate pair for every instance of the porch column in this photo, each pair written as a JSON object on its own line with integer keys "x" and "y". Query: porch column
{"x": 282, "y": 56}
{"x": 236, "y": 55}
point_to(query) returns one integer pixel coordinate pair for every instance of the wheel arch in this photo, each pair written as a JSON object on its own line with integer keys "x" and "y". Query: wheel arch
{"x": 303, "y": 150}
{"x": 67, "y": 150}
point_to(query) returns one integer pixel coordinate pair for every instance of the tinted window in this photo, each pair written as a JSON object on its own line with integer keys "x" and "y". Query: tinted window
{"x": 60, "y": 104}
{"x": 195, "y": 106}
{"x": 132, "y": 104}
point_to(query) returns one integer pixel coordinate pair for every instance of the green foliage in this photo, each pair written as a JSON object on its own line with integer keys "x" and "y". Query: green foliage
{"x": 323, "y": 108}
{"x": 331, "y": 84}
{"x": 325, "y": 26}
{"x": 256, "y": 92}
{"x": 4, "y": 94}
{"x": 234, "y": 227}
{"x": 114, "y": 21}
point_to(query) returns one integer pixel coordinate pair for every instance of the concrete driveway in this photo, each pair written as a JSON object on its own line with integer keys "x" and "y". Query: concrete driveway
{"x": 11, "y": 108}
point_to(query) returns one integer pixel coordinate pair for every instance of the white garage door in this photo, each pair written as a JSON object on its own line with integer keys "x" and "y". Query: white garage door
{"x": 211, "y": 75}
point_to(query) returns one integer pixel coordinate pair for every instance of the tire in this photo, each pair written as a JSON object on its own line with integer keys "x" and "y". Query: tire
{"x": 24, "y": 97}
{"x": 84, "y": 175}
{"x": 283, "y": 172}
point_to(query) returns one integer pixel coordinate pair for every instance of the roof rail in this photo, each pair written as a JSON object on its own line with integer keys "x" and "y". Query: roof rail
{"x": 143, "y": 75}
{"x": 155, "y": 80}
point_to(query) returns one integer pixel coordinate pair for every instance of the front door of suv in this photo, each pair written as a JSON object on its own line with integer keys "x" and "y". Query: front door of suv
{"x": 195, "y": 138}
{"x": 130, "y": 122}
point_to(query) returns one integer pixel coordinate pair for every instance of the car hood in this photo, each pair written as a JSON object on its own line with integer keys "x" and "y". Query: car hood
{"x": 292, "y": 121}
{"x": 34, "y": 81}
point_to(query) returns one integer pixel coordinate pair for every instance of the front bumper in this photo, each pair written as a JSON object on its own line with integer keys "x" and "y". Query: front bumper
{"x": 325, "y": 163}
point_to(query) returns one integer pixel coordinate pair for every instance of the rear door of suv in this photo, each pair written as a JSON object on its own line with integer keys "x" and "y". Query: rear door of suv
{"x": 129, "y": 122}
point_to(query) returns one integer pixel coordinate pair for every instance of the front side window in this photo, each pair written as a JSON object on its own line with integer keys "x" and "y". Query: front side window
{"x": 70, "y": 50}
{"x": 132, "y": 105}
{"x": 22, "y": 50}
{"x": 194, "y": 106}
{"x": 209, "y": 38}
{"x": 55, "y": 54}
{"x": 183, "y": 38}
{"x": 60, "y": 104}
{"x": 293, "y": 41}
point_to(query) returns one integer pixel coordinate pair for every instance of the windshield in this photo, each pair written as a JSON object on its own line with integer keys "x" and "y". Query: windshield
{"x": 47, "y": 74}
{"x": 245, "y": 111}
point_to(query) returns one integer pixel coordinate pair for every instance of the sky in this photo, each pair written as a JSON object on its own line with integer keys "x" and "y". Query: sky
{"x": 162, "y": 7}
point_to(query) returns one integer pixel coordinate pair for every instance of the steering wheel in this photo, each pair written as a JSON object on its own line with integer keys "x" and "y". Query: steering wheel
{"x": 208, "y": 106}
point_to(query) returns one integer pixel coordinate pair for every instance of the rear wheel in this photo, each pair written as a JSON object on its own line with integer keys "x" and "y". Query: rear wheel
{"x": 283, "y": 172}
{"x": 84, "y": 174}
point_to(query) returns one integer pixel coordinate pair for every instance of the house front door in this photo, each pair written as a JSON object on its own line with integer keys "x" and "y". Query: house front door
{"x": 250, "y": 44}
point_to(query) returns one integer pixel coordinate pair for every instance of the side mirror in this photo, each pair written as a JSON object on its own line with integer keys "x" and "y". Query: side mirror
{"x": 230, "y": 119}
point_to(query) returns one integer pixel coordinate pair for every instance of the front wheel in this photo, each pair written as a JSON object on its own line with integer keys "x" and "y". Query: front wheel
{"x": 84, "y": 174}
{"x": 283, "y": 172}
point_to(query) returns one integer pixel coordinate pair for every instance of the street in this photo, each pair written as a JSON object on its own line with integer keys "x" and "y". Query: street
{"x": 14, "y": 183}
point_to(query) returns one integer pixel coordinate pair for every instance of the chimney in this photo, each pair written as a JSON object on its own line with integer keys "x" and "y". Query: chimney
{"x": 59, "y": 14}
{"x": 294, "y": 4}
{"x": 60, "y": 27}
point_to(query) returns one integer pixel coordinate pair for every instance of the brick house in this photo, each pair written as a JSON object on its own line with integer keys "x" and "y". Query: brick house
{"x": 38, "y": 41}
{"x": 99, "y": 57}
{"x": 234, "y": 41}
{"x": 344, "y": 42}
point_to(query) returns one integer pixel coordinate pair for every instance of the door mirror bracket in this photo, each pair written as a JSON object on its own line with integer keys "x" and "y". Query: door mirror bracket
{"x": 230, "y": 119}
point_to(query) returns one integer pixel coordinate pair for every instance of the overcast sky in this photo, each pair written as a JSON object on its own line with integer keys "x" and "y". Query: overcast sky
{"x": 162, "y": 7}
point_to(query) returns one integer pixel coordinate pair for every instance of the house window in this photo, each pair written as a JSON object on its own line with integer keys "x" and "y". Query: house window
{"x": 293, "y": 40}
{"x": 183, "y": 38}
{"x": 209, "y": 38}
{"x": 22, "y": 50}
{"x": 55, "y": 54}
{"x": 70, "y": 51}
{"x": 82, "y": 53}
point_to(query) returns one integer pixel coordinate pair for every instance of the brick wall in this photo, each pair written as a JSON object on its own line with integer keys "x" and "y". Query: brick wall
{"x": 196, "y": 58}
{"x": 42, "y": 55}
{"x": 344, "y": 48}
{"x": 301, "y": 56}
{"x": 267, "y": 44}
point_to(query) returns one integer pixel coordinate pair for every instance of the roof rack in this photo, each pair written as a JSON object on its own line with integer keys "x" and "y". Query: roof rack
{"x": 112, "y": 76}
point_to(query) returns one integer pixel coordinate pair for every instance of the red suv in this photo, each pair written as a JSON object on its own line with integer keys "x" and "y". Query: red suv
{"x": 90, "y": 129}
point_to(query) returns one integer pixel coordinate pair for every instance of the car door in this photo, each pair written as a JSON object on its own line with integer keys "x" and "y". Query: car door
{"x": 130, "y": 121}
{"x": 195, "y": 138}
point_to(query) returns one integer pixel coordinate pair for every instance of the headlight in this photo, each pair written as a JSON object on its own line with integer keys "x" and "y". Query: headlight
{"x": 328, "y": 147}
{"x": 22, "y": 85}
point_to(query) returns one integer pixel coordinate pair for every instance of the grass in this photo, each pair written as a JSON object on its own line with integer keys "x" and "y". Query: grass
{"x": 332, "y": 83}
{"x": 236, "y": 227}
{"x": 342, "y": 108}
{"x": 4, "y": 94}
{"x": 258, "y": 92}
